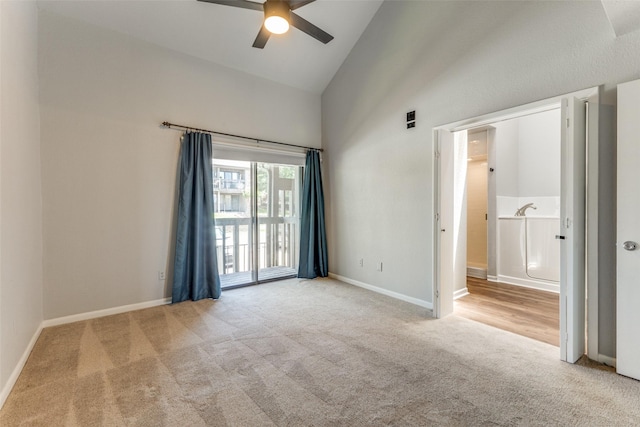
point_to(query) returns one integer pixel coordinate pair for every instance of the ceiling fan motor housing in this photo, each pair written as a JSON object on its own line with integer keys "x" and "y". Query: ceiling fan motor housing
{"x": 276, "y": 8}
{"x": 278, "y": 16}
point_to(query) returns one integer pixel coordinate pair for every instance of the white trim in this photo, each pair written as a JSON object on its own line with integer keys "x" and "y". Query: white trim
{"x": 607, "y": 360}
{"x": 106, "y": 312}
{"x": 492, "y": 278}
{"x": 514, "y": 112}
{"x": 396, "y": 295}
{"x": 437, "y": 220}
{"x": 477, "y": 272}
{"x": 527, "y": 283}
{"x": 11, "y": 381}
{"x": 478, "y": 122}
{"x": 6, "y": 390}
{"x": 593, "y": 217}
{"x": 460, "y": 293}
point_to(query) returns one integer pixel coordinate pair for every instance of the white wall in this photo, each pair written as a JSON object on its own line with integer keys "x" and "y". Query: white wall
{"x": 448, "y": 61}
{"x": 539, "y": 154}
{"x": 506, "y": 161}
{"x": 528, "y": 163}
{"x": 108, "y": 169}
{"x": 20, "y": 203}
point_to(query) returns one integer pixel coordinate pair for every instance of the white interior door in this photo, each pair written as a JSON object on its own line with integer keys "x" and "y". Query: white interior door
{"x": 452, "y": 229}
{"x": 628, "y": 258}
{"x": 572, "y": 230}
{"x": 443, "y": 295}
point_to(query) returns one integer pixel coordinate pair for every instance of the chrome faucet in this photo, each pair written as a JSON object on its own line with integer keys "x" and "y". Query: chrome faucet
{"x": 523, "y": 210}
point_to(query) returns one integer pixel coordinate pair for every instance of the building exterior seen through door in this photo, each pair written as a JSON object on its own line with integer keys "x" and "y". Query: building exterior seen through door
{"x": 257, "y": 221}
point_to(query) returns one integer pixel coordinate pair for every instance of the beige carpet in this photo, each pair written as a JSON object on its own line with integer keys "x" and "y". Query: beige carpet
{"x": 304, "y": 353}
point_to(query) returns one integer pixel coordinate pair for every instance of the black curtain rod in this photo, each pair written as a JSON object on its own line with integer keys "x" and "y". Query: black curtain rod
{"x": 188, "y": 128}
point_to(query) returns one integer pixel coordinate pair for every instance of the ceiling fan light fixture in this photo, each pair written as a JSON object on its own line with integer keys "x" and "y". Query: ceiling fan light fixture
{"x": 276, "y": 24}
{"x": 276, "y": 14}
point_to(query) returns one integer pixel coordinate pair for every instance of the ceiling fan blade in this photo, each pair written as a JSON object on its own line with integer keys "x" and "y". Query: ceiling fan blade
{"x": 244, "y": 4}
{"x": 294, "y": 4}
{"x": 307, "y": 27}
{"x": 261, "y": 39}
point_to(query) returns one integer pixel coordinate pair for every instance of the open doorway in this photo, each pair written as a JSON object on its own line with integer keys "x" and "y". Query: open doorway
{"x": 450, "y": 220}
{"x": 513, "y": 257}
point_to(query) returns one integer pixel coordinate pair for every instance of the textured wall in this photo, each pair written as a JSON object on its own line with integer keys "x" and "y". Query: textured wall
{"x": 506, "y": 145}
{"x": 21, "y": 206}
{"x": 109, "y": 169}
{"x": 448, "y": 61}
{"x": 539, "y": 154}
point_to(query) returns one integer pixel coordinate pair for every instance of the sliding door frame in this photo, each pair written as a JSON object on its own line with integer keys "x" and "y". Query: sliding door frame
{"x": 254, "y": 229}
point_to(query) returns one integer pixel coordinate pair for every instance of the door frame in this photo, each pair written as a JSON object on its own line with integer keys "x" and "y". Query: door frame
{"x": 254, "y": 222}
{"x": 441, "y": 290}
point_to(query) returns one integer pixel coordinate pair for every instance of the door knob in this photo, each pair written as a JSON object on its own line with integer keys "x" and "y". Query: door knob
{"x": 630, "y": 246}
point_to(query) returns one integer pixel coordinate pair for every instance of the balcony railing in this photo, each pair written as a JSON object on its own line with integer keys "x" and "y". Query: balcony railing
{"x": 228, "y": 184}
{"x": 277, "y": 247}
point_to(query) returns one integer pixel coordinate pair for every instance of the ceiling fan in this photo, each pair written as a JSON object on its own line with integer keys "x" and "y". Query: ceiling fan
{"x": 278, "y": 16}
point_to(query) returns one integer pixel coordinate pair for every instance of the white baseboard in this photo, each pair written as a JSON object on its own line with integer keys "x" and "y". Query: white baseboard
{"x": 8, "y": 386}
{"x": 64, "y": 320}
{"x": 106, "y": 312}
{"x": 492, "y": 278}
{"x": 534, "y": 284}
{"x": 607, "y": 360}
{"x": 477, "y": 272}
{"x": 396, "y": 295}
{"x": 460, "y": 293}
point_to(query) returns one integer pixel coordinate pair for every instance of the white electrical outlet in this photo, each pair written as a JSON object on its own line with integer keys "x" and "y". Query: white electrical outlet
{"x": 379, "y": 266}
{"x": 361, "y": 262}
{"x": 160, "y": 275}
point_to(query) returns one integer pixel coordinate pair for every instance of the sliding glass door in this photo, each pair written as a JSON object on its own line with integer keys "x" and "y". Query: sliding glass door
{"x": 257, "y": 212}
{"x": 277, "y": 207}
{"x": 233, "y": 206}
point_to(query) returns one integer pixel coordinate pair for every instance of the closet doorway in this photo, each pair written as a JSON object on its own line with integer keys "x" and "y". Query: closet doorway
{"x": 450, "y": 225}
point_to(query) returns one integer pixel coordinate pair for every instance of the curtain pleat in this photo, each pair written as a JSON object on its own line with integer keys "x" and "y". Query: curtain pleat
{"x": 313, "y": 261}
{"x": 195, "y": 273}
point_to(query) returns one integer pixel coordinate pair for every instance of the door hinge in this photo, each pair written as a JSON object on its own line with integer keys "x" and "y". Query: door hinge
{"x": 566, "y": 222}
{"x": 567, "y": 122}
{"x": 437, "y": 294}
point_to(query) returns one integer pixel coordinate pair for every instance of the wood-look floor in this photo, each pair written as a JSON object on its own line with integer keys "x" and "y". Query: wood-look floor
{"x": 529, "y": 312}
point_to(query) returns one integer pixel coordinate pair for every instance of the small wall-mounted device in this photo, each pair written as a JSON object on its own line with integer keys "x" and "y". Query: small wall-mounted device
{"x": 411, "y": 119}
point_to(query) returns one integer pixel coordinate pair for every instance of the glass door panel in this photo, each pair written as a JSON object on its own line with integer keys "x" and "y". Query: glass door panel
{"x": 233, "y": 207}
{"x": 278, "y": 189}
{"x": 256, "y": 214}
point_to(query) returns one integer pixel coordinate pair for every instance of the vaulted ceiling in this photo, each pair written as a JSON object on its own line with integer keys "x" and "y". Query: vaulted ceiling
{"x": 624, "y": 15}
{"x": 224, "y": 35}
